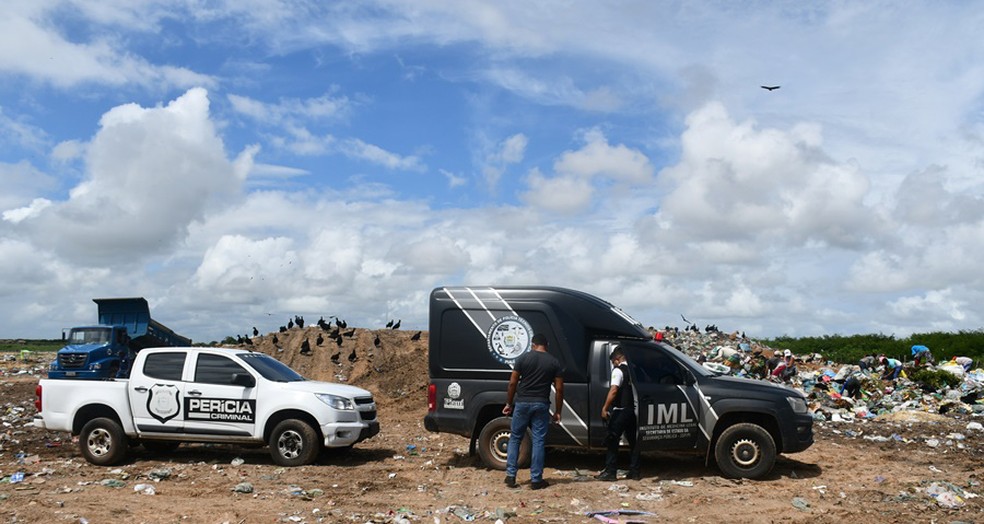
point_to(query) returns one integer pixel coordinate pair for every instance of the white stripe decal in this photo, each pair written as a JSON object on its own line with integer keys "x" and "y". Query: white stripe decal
{"x": 479, "y": 328}
{"x": 553, "y": 391}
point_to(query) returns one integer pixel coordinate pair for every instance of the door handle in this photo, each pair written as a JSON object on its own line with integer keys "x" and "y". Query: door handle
{"x": 195, "y": 392}
{"x": 140, "y": 389}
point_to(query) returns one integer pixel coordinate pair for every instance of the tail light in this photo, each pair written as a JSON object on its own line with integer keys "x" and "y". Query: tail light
{"x": 37, "y": 398}
{"x": 431, "y": 397}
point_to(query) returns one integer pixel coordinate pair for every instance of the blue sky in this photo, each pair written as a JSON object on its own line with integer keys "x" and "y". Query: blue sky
{"x": 238, "y": 163}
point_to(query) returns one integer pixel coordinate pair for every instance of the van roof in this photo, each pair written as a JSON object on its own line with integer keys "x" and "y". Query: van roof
{"x": 595, "y": 314}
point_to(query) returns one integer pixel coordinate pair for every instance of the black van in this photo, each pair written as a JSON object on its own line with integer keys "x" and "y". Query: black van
{"x": 476, "y": 333}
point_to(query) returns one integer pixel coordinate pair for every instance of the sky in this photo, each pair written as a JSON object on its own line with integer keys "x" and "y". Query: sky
{"x": 240, "y": 162}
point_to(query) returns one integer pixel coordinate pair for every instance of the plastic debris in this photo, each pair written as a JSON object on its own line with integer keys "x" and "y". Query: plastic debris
{"x": 243, "y": 487}
{"x": 113, "y": 483}
{"x": 237, "y": 461}
{"x": 946, "y": 495}
{"x": 801, "y": 503}
{"x": 146, "y": 489}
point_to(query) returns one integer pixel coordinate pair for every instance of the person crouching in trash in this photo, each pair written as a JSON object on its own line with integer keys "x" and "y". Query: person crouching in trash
{"x": 892, "y": 368}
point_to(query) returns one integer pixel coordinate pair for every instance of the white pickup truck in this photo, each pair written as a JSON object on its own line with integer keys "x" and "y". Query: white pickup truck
{"x": 199, "y": 394}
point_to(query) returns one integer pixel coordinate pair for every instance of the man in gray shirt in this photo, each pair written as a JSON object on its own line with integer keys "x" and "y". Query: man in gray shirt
{"x": 528, "y": 401}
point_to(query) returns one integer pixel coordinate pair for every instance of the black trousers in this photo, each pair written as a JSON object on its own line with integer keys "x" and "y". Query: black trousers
{"x": 621, "y": 421}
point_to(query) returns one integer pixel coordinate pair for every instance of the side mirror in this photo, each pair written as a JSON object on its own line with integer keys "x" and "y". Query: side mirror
{"x": 243, "y": 379}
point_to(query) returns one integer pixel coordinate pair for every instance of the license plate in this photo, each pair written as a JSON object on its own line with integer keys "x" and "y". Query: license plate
{"x": 69, "y": 373}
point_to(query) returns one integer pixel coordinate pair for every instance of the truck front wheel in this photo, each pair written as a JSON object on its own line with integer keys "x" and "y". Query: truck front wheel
{"x": 103, "y": 442}
{"x": 493, "y": 444}
{"x": 294, "y": 443}
{"x": 745, "y": 451}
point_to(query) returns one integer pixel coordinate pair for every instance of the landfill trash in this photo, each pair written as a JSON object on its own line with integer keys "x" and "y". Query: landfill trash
{"x": 933, "y": 443}
{"x": 649, "y": 497}
{"x": 17, "y": 477}
{"x": 146, "y": 489}
{"x": 243, "y": 487}
{"x": 158, "y": 475}
{"x": 113, "y": 483}
{"x": 975, "y": 426}
{"x": 684, "y": 483}
{"x": 947, "y": 495}
{"x": 463, "y": 513}
{"x": 605, "y": 515}
{"x": 237, "y": 461}
{"x": 801, "y": 503}
{"x": 618, "y": 488}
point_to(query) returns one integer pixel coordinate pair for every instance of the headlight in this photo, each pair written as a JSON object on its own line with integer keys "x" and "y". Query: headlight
{"x": 336, "y": 401}
{"x": 798, "y": 404}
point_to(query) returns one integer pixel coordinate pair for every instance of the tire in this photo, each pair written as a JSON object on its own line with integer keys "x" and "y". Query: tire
{"x": 745, "y": 451}
{"x": 493, "y": 444}
{"x": 294, "y": 443}
{"x": 160, "y": 447}
{"x": 102, "y": 442}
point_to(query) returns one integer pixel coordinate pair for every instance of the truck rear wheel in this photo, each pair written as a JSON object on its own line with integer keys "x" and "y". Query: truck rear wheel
{"x": 294, "y": 443}
{"x": 493, "y": 444}
{"x": 745, "y": 451}
{"x": 103, "y": 442}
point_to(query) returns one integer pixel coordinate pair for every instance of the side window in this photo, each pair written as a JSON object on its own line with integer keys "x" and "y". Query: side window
{"x": 216, "y": 369}
{"x": 656, "y": 367}
{"x": 165, "y": 366}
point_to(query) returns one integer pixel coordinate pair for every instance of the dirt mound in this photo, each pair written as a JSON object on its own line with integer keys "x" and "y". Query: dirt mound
{"x": 387, "y": 362}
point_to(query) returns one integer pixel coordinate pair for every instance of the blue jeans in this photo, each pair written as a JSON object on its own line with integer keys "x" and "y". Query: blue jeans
{"x": 536, "y": 416}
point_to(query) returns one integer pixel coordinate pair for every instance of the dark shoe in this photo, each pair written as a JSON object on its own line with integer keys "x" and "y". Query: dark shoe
{"x": 539, "y": 485}
{"x": 635, "y": 475}
{"x": 606, "y": 476}
{"x": 511, "y": 482}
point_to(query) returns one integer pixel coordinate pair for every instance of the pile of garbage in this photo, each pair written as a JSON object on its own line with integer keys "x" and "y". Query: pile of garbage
{"x": 822, "y": 380}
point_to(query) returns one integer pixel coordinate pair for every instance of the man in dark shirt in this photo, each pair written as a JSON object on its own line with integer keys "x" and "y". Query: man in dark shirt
{"x": 528, "y": 401}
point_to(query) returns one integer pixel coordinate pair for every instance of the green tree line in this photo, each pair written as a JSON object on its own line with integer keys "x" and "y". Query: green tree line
{"x": 849, "y": 349}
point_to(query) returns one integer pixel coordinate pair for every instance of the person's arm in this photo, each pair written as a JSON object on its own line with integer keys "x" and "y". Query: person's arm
{"x": 511, "y": 392}
{"x": 612, "y": 391}
{"x": 558, "y": 397}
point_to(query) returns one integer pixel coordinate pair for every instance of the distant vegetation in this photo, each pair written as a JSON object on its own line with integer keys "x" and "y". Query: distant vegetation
{"x": 31, "y": 345}
{"x": 852, "y": 348}
{"x": 833, "y": 347}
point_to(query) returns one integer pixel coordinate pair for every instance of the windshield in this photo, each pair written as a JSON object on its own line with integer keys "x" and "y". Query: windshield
{"x": 684, "y": 359}
{"x": 89, "y": 336}
{"x": 271, "y": 368}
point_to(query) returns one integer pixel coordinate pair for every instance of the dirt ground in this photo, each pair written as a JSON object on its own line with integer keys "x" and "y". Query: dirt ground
{"x": 880, "y": 470}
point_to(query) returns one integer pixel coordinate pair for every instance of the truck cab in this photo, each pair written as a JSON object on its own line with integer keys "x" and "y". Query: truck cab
{"x": 476, "y": 333}
{"x": 92, "y": 352}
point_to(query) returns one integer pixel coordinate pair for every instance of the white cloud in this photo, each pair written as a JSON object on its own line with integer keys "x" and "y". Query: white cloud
{"x": 736, "y": 181}
{"x": 292, "y": 110}
{"x": 500, "y": 156}
{"x": 151, "y": 172}
{"x": 573, "y": 188}
{"x": 32, "y": 45}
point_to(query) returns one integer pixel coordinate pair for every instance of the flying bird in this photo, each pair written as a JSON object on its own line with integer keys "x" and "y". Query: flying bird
{"x": 770, "y": 88}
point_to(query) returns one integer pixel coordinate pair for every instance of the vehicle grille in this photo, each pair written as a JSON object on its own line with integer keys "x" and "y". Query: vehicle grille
{"x": 366, "y": 407}
{"x": 72, "y": 360}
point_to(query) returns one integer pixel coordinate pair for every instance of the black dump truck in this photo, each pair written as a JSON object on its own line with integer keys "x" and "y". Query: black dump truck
{"x": 476, "y": 333}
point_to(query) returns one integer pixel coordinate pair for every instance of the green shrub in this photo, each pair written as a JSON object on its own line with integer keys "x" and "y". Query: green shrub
{"x": 933, "y": 379}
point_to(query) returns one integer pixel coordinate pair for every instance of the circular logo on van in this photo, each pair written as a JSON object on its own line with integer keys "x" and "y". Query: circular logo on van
{"x": 509, "y": 337}
{"x": 454, "y": 390}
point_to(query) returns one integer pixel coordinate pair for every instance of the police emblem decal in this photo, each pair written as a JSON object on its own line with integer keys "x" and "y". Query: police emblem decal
{"x": 508, "y": 338}
{"x": 163, "y": 402}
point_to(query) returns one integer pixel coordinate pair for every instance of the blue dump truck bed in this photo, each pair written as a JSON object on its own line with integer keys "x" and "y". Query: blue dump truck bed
{"x": 106, "y": 350}
{"x": 134, "y": 314}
